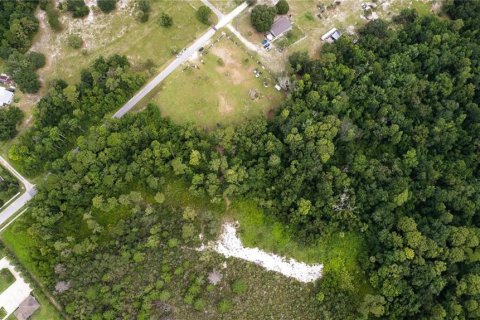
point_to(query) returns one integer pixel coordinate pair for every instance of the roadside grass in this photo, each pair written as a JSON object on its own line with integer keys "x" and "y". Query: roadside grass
{"x": 217, "y": 91}
{"x": 6, "y": 279}
{"x": 118, "y": 33}
{"x": 226, "y": 6}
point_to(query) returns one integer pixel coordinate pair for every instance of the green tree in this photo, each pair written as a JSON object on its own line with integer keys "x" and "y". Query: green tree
{"x": 262, "y": 17}
{"x": 282, "y": 7}
{"x": 165, "y": 20}
{"x": 203, "y": 14}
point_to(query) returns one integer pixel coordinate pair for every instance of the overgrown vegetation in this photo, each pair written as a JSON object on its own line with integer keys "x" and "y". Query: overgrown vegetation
{"x": 203, "y": 14}
{"x": 8, "y": 186}
{"x": 262, "y": 17}
{"x": 10, "y": 118}
{"x": 18, "y": 25}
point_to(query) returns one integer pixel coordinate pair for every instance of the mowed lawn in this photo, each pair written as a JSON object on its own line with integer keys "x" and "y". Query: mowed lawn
{"x": 219, "y": 90}
{"x": 118, "y": 33}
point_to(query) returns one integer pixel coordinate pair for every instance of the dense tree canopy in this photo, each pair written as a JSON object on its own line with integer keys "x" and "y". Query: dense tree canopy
{"x": 203, "y": 14}
{"x": 282, "y": 7}
{"x": 10, "y": 117}
{"x": 262, "y": 17}
{"x": 379, "y": 137}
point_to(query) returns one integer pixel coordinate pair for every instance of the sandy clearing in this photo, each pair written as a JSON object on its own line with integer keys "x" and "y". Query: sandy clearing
{"x": 230, "y": 245}
{"x": 223, "y": 106}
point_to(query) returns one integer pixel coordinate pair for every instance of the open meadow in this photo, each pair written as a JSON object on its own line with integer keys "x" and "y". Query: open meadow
{"x": 218, "y": 86}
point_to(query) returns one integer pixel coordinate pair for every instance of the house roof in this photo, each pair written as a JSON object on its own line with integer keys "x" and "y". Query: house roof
{"x": 336, "y": 35}
{"x": 6, "y": 97}
{"x": 27, "y": 308}
{"x": 281, "y": 25}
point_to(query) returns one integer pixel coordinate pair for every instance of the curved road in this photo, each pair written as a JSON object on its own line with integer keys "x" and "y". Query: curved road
{"x": 200, "y": 42}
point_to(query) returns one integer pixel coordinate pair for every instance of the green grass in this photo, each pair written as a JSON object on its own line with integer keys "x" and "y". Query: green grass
{"x": 219, "y": 91}
{"x": 290, "y": 38}
{"x": 119, "y": 33}
{"x": 6, "y": 279}
{"x": 46, "y": 310}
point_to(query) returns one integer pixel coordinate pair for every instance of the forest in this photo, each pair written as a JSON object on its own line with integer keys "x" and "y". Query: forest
{"x": 380, "y": 136}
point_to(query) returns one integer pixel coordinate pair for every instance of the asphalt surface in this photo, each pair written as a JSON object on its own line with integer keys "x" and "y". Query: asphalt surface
{"x": 200, "y": 42}
{"x": 18, "y": 203}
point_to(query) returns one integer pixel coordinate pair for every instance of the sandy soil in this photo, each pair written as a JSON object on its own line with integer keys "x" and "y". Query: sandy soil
{"x": 230, "y": 245}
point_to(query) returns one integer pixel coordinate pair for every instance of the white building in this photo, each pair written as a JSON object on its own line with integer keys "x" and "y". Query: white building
{"x": 6, "y": 97}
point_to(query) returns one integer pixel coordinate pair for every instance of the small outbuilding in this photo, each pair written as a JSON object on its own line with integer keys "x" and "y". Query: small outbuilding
{"x": 332, "y": 35}
{"x": 280, "y": 27}
{"x": 6, "y": 97}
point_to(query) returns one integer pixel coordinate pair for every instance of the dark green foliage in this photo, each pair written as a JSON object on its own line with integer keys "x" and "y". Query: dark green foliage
{"x": 107, "y": 5}
{"x": 8, "y": 186}
{"x": 53, "y": 16}
{"x": 37, "y": 59}
{"x": 165, "y": 20}
{"x": 18, "y": 25}
{"x": 262, "y": 17}
{"x": 10, "y": 117}
{"x": 68, "y": 110}
{"x": 282, "y": 7}
{"x": 22, "y": 68}
{"x": 142, "y": 10}
{"x": 203, "y": 14}
{"x": 78, "y": 8}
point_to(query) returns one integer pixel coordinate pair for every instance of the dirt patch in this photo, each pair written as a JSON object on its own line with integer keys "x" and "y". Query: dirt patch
{"x": 231, "y": 68}
{"x": 223, "y": 106}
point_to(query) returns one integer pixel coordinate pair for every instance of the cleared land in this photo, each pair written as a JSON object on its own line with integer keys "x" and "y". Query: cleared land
{"x": 314, "y": 22}
{"x": 221, "y": 89}
{"x": 117, "y": 33}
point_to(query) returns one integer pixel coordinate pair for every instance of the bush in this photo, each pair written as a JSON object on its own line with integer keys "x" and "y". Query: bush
{"x": 262, "y": 17}
{"x": 203, "y": 14}
{"x": 53, "y": 17}
{"x": 22, "y": 70}
{"x": 9, "y": 119}
{"x": 142, "y": 8}
{"x": 37, "y": 59}
{"x": 225, "y": 306}
{"x": 282, "y": 7}
{"x": 239, "y": 286}
{"x": 77, "y": 8}
{"x": 165, "y": 20}
{"x": 107, "y": 5}
{"x": 75, "y": 41}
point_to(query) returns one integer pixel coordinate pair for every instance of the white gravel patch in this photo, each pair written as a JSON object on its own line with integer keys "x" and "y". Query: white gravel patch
{"x": 230, "y": 245}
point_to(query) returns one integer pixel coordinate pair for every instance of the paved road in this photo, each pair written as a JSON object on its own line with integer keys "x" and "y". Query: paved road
{"x": 200, "y": 42}
{"x": 18, "y": 203}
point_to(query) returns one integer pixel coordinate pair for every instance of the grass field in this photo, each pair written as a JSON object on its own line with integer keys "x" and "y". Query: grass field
{"x": 6, "y": 279}
{"x": 219, "y": 91}
{"x": 117, "y": 33}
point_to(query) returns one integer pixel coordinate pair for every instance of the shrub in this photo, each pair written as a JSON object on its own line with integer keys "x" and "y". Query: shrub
{"x": 53, "y": 16}
{"x": 239, "y": 286}
{"x": 77, "y": 8}
{"x": 282, "y": 7}
{"x": 203, "y": 14}
{"x": 37, "y": 59}
{"x": 262, "y": 17}
{"x": 107, "y": 5}
{"x": 225, "y": 306}
{"x": 165, "y": 20}
{"x": 199, "y": 304}
{"x": 74, "y": 41}
{"x": 142, "y": 8}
